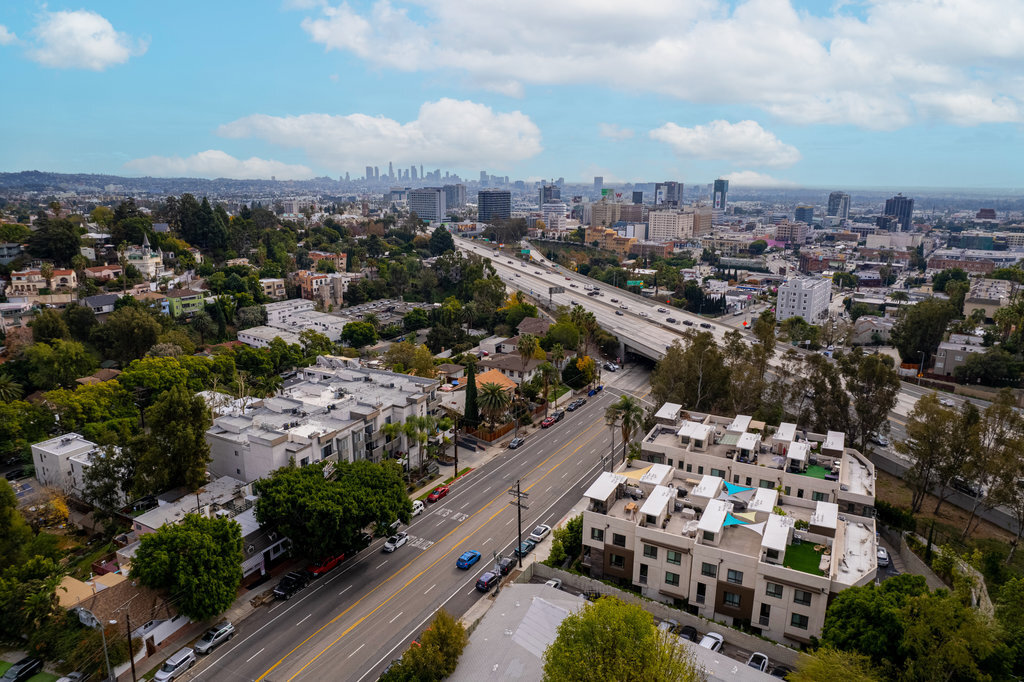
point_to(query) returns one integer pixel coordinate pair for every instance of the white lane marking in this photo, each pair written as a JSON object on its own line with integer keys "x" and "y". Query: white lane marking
{"x": 354, "y": 652}
{"x": 431, "y": 587}
{"x": 345, "y": 590}
{"x": 303, "y": 620}
{"x": 487, "y": 540}
{"x": 381, "y": 564}
{"x": 396, "y": 617}
{"x": 508, "y": 522}
{"x": 565, "y": 474}
{"x": 465, "y": 505}
{"x": 439, "y": 523}
{"x": 255, "y": 655}
{"x": 549, "y": 488}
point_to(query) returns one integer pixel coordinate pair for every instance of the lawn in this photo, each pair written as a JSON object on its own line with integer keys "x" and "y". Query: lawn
{"x": 82, "y": 567}
{"x": 461, "y": 473}
{"x": 38, "y": 677}
{"x": 815, "y": 471}
{"x": 803, "y": 557}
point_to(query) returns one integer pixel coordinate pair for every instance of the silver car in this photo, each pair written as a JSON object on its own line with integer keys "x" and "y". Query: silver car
{"x": 215, "y": 636}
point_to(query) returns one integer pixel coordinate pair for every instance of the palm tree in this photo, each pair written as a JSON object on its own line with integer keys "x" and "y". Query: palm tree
{"x": 526, "y": 347}
{"x": 392, "y": 430}
{"x": 547, "y": 373}
{"x": 10, "y": 390}
{"x": 494, "y": 401}
{"x": 372, "y": 319}
{"x": 611, "y": 420}
{"x": 469, "y": 313}
{"x": 630, "y": 415}
{"x": 46, "y": 270}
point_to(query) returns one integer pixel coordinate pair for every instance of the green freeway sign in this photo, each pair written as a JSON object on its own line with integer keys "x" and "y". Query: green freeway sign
{"x": 635, "y": 283}
{"x": 525, "y": 252}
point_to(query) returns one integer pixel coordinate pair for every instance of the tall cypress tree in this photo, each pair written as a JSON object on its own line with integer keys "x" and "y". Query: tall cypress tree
{"x": 472, "y": 416}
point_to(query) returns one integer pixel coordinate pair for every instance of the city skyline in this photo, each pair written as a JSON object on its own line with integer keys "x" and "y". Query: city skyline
{"x": 881, "y": 94}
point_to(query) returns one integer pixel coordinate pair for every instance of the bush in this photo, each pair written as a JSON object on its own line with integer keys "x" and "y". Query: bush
{"x": 898, "y": 518}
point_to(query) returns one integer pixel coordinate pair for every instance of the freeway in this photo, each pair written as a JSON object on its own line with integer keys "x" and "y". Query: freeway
{"x": 351, "y": 623}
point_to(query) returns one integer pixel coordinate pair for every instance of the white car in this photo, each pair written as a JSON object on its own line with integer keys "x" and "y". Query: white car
{"x": 417, "y": 507}
{"x": 555, "y": 583}
{"x": 758, "y": 661}
{"x": 948, "y": 402}
{"x": 396, "y": 541}
{"x": 642, "y": 314}
{"x": 879, "y": 439}
{"x": 662, "y": 310}
{"x": 713, "y": 641}
{"x": 540, "y": 532}
{"x": 883, "y": 557}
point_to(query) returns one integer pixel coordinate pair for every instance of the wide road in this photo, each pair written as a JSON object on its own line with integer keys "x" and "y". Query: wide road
{"x": 349, "y": 624}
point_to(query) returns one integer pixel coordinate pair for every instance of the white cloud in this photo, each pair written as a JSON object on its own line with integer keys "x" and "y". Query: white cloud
{"x": 447, "y": 132}
{"x": 613, "y": 131}
{"x": 749, "y": 178}
{"x": 6, "y": 37}
{"x": 214, "y": 163}
{"x": 861, "y": 65}
{"x": 965, "y": 108}
{"x": 744, "y": 142}
{"x": 81, "y": 40}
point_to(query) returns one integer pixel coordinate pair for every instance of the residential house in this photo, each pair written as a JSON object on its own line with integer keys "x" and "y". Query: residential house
{"x": 180, "y": 302}
{"x": 512, "y": 366}
{"x": 273, "y": 288}
{"x": 338, "y": 260}
{"x": 10, "y": 251}
{"x": 238, "y": 261}
{"x": 104, "y": 273}
{"x": 31, "y": 282}
{"x": 101, "y": 304}
{"x": 99, "y": 376}
{"x": 148, "y": 262}
{"x": 53, "y": 465}
{"x": 955, "y": 353}
{"x": 537, "y": 326}
{"x": 15, "y": 314}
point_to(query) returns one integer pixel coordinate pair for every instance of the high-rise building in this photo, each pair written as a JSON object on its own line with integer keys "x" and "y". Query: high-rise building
{"x": 554, "y": 216}
{"x": 902, "y": 208}
{"x": 391, "y": 171}
{"x": 421, "y": 170}
{"x": 493, "y": 204}
{"x": 839, "y": 205}
{"x": 549, "y": 194}
{"x": 428, "y": 203}
{"x": 413, "y": 169}
{"x": 671, "y": 224}
{"x": 376, "y": 173}
{"x": 804, "y": 297}
{"x": 638, "y": 197}
{"x": 719, "y": 195}
{"x": 792, "y": 233}
{"x": 668, "y": 193}
{"x": 598, "y": 183}
{"x": 455, "y": 195}
{"x": 804, "y": 214}
{"x": 483, "y": 177}
{"x": 369, "y": 173}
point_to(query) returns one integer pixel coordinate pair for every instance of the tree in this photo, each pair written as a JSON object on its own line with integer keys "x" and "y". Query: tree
{"x": 252, "y": 316}
{"x": 106, "y": 401}
{"x": 46, "y": 271}
{"x": 109, "y": 482}
{"x": 995, "y": 461}
{"x": 437, "y": 654}
{"x": 359, "y": 334}
{"x": 203, "y": 325}
{"x": 176, "y": 453}
{"x": 80, "y": 321}
{"x": 629, "y": 414}
{"x": 874, "y": 387}
{"x": 994, "y": 367}
{"x": 494, "y": 402}
{"x": 566, "y": 541}
{"x": 21, "y": 424}
{"x": 472, "y": 416}
{"x": 197, "y": 562}
{"x": 612, "y": 640}
{"x": 832, "y": 664}
{"x": 10, "y": 390}
{"x": 694, "y": 375}
{"x": 415, "y": 319}
{"x": 758, "y": 246}
{"x": 55, "y": 239}
{"x": 926, "y": 446}
{"x": 58, "y": 363}
{"x": 921, "y": 328}
{"x": 48, "y": 325}
{"x": 941, "y": 279}
{"x": 527, "y": 347}
{"x": 127, "y": 334}
{"x": 441, "y": 241}
{"x": 957, "y": 292}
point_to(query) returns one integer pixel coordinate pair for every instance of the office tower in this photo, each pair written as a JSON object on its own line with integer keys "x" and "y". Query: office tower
{"x": 549, "y": 194}
{"x": 554, "y": 216}
{"x": 638, "y": 197}
{"x": 391, "y": 171}
{"x": 346, "y": 176}
{"x": 804, "y": 214}
{"x": 421, "y": 170}
{"x": 719, "y": 195}
{"x": 413, "y": 169}
{"x": 369, "y": 173}
{"x": 483, "y": 177}
{"x": 428, "y": 203}
{"x": 455, "y": 195}
{"x": 493, "y": 204}
{"x": 598, "y": 183}
{"x": 839, "y": 205}
{"x": 668, "y": 193}
{"x": 376, "y": 173}
{"x": 902, "y": 208}
{"x": 560, "y": 182}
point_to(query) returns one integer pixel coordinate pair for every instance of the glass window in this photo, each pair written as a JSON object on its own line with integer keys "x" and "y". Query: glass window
{"x": 709, "y": 536}
{"x": 731, "y": 599}
{"x": 735, "y": 577}
{"x": 819, "y": 497}
{"x": 702, "y": 590}
{"x": 773, "y": 590}
{"x": 718, "y": 472}
{"x": 617, "y": 561}
{"x": 618, "y": 540}
{"x": 643, "y": 573}
{"x": 700, "y": 470}
{"x": 672, "y": 579}
{"x": 798, "y": 621}
{"x": 597, "y": 534}
{"x": 766, "y": 484}
{"x": 650, "y": 551}
{"x": 673, "y": 557}
{"x": 710, "y": 570}
{"x": 772, "y": 554}
{"x": 802, "y": 597}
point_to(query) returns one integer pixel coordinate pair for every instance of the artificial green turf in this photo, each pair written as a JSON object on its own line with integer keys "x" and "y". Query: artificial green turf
{"x": 803, "y": 557}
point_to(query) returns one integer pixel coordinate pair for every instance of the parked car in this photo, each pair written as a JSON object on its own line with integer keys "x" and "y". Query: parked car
{"x": 559, "y": 415}
{"x": 619, "y": 313}
{"x": 781, "y": 672}
{"x": 215, "y": 636}
{"x": 176, "y": 665}
{"x": 669, "y": 625}
{"x": 547, "y": 423}
{"x": 662, "y": 310}
{"x": 688, "y": 323}
{"x": 883, "y": 557}
{"x": 290, "y": 584}
{"x": 705, "y": 325}
{"x": 506, "y": 564}
{"x": 417, "y": 507}
{"x": 437, "y": 493}
{"x": 22, "y": 670}
{"x": 487, "y": 581}
{"x": 515, "y": 443}
{"x": 16, "y": 474}
{"x": 467, "y": 559}
{"x": 395, "y": 541}
{"x": 328, "y": 563}
{"x": 72, "y": 677}
{"x": 362, "y": 542}
{"x": 573, "y": 406}
{"x": 525, "y": 548}
{"x": 540, "y": 532}
{"x": 879, "y": 439}
{"x": 713, "y": 641}
{"x": 758, "y": 661}
{"x": 689, "y": 632}
{"x": 671, "y": 320}
{"x": 555, "y": 583}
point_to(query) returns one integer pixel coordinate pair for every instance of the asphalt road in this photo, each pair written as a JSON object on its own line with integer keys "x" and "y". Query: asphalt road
{"x": 349, "y": 624}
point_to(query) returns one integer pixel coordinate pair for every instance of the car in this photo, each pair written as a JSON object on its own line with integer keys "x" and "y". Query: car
{"x": 574, "y": 286}
{"x": 582, "y": 401}
{"x": 671, "y": 320}
{"x": 328, "y": 563}
{"x": 362, "y": 542}
{"x": 713, "y": 641}
{"x": 176, "y": 665}
{"x": 15, "y": 474}
{"x": 506, "y": 564}
{"x": 689, "y": 632}
{"x": 558, "y": 415}
{"x": 540, "y": 532}
{"x": 668, "y": 625}
{"x": 883, "y": 557}
{"x": 962, "y": 486}
{"x": 758, "y": 661}
{"x": 536, "y": 272}
{"x": 437, "y": 493}
{"x": 619, "y": 313}
{"x": 662, "y": 310}
{"x": 547, "y": 423}
{"x": 395, "y": 541}
{"x": 487, "y": 581}
{"x": 948, "y": 402}
{"x": 705, "y": 325}
{"x": 467, "y": 559}
{"x": 518, "y": 275}
{"x": 615, "y": 300}
{"x": 509, "y": 262}
{"x": 781, "y": 671}
{"x": 290, "y": 584}
{"x": 611, "y": 367}
{"x": 688, "y": 323}
{"x": 72, "y": 677}
{"x": 879, "y": 439}
{"x": 571, "y": 407}
{"x": 515, "y": 443}
{"x": 215, "y": 636}
{"x": 525, "y": 548}
{"x": 417, "y": 507}
{"x": 555, "y": 583}
{"x": 623, "y": 306}
{"x": 22, "y": 670}
{"x": 568, "y": 279}
{"x": 592, "y": 392}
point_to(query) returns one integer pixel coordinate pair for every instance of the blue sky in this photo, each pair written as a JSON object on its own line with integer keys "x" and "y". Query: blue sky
{"x": 882, "y": 93}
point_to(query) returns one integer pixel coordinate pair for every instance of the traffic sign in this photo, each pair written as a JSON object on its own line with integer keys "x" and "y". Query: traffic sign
{"x": 635, "y": 283}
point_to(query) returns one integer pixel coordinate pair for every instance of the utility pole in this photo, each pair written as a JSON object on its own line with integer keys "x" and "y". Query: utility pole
{"x": 131, "y": 652}
{"x": 518, "y": 503}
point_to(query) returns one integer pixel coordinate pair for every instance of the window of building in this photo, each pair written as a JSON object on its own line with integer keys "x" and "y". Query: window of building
{"x": 748, "y": 480}
{"x": 765, "y": 484}
{"x": 710, "y": 570}
{"x": 819, "y": 497}
{"x": 736, "y": 479}
{"x": 772, "y": 554}
{"x": 718, "y": 472}
{"x": 798, "y": 620}
{"x": 597, "y": 534}
{"x": 650, "y": 551}
{"x": 700, "y": 470}
{"x": 673, "y": 557}
{"x": 800, "y": 493}
{"x": 773, "y": 590}
{"x": 618, "y": 540}
{"x": 802, "y": 597}
{"x": 786, "y": 490}
{"x": 702, "y": 591}
{"x": 731, "y": 599}
{"x": 735, "y": 577}
{"x": 643, "y": 574}
{"x": 709, "y": 536}
{"x": 765, "y": 617}
{"x": 672, "y": 579}
{"x": 617, "y": 560}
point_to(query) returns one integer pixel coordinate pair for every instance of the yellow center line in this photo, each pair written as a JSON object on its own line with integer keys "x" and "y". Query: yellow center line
{"x": 417, "y": 576}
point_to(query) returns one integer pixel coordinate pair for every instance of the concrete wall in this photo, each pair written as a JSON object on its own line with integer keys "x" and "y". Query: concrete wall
{"x": 775, "y": 652}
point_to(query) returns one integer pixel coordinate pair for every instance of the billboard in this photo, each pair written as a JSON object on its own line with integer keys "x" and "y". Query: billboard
{"x": 606, "y": 192}
{"x": 718, "y": 200}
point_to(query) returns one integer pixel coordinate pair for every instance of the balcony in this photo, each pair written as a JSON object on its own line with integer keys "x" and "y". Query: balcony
{"x": 804, "y": 557}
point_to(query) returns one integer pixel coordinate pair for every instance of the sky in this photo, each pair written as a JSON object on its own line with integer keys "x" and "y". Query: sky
{"x": 875, "y": 93}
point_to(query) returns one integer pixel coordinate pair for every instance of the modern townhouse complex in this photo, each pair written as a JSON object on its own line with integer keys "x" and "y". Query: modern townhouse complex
{"x": 737, "y": 522}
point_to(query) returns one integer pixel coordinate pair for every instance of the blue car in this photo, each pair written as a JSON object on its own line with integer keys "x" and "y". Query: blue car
{"x": 468, "y": 559}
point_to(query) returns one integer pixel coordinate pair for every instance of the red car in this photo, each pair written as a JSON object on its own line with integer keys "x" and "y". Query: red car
{"x": 548, "y": 422}
{"x": 326, "y": 564}
{"x": 437, "y": 493}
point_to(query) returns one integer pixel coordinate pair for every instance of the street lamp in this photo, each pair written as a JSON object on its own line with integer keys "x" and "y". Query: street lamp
{"x": 89, "y": 619}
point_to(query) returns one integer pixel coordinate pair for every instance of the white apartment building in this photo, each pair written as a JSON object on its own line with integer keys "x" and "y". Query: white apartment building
{"x": 53, "y": 461}
{"x": 805, "y": 297}
{"x": 554, "y": 217}
{"x": 672, "y": 225}
{"x": 260, "y": 337}
{"x": 735, "y": 525}
{"x": 428, "y": 203}
{"x": 279, "y": 311}
{"x": 337, "y": 413}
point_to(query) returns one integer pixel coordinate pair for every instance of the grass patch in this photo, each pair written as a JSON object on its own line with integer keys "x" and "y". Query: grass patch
{"x": 461, "y": 473}
{"x": 555, "y": 394}
{"x": 82, "y": 567}
{"x": 816, "y": 471}
{"x": 803, "y": 557}
{"x": 38, "y": 677}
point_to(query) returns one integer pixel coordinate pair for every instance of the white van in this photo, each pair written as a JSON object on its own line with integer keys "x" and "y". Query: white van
{"x": 176, "y": 665}
{"x": 417, "y": 507}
